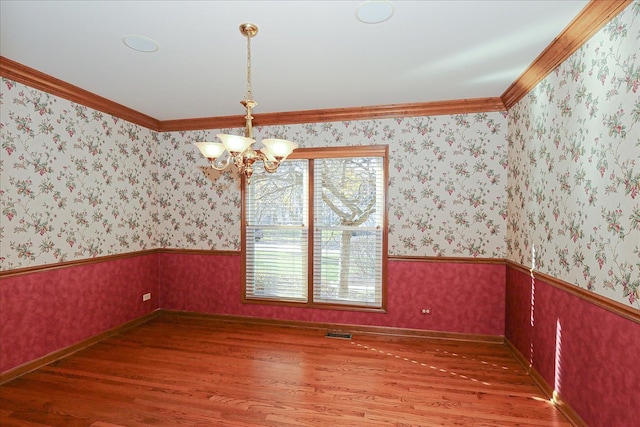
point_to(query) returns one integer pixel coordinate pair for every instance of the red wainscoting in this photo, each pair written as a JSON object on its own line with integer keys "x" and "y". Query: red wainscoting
{"x": 47, "y": 311}
{"x": 465, "y": 298}
{"x": 589, "y": 355}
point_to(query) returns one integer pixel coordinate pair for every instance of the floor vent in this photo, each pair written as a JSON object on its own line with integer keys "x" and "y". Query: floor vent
{"x": 339, "y": 334}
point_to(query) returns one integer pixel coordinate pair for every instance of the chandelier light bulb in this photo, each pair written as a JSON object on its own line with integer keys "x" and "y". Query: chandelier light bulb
{"x": 211, "y": 150}
{"x": 235, "y": 143}
{"x": 280, "y": 148}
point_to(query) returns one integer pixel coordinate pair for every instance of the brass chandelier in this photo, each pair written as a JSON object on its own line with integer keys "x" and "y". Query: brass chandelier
{"x": 239, "y": 148}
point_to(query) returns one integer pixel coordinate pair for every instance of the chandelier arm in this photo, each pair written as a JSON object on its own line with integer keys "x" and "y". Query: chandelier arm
{"x": 220, "y": 166}
{"x": 241, "y": 162}
{"x": 271, "y": 168}
{"x": 269, "y": 165}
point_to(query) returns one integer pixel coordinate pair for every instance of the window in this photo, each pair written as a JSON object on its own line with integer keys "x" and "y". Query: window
{"x": 315, "y": 232}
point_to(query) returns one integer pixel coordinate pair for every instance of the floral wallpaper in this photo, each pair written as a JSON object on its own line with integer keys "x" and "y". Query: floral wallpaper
{"x": 77, "y": 183}
{"x": 574, "y": 167}
{"x": 74, "y": 183}
{"x": 199, "y": 207}
{"x": 446, "y": 192}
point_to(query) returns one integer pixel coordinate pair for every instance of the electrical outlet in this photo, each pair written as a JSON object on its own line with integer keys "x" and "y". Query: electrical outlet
{"x": 426, "y": 311}
{"x": 146, "y": 297}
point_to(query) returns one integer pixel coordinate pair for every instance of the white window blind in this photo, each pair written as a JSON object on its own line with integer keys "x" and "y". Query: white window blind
{"x": 347, "y": 249}
{"x": 276, "y": 233}
{"x": 315, "y": 231}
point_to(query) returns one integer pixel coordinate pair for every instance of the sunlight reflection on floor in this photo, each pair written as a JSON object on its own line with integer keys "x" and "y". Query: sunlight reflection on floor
{"x": 430, "y": 366}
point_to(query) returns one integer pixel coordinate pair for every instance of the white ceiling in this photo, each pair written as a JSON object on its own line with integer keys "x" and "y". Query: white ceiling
{"x": 307, "y": 55}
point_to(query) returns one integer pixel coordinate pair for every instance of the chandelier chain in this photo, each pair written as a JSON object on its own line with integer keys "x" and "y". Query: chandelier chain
{"x": 249, "y": 92}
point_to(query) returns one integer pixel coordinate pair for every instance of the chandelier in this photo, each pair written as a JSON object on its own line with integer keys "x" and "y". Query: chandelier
{"x": 239, "y": 148}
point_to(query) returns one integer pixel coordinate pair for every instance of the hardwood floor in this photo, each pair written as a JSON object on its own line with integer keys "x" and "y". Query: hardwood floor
{"x": 176, "y": 371}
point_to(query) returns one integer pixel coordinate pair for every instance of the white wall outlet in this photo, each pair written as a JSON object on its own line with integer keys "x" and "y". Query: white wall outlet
{"x": 426, "y": 311}
{"x": 146, "y": 297}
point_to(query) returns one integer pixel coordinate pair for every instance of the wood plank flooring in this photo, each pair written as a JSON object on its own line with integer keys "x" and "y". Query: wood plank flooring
{"x": 180, "y": 371}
